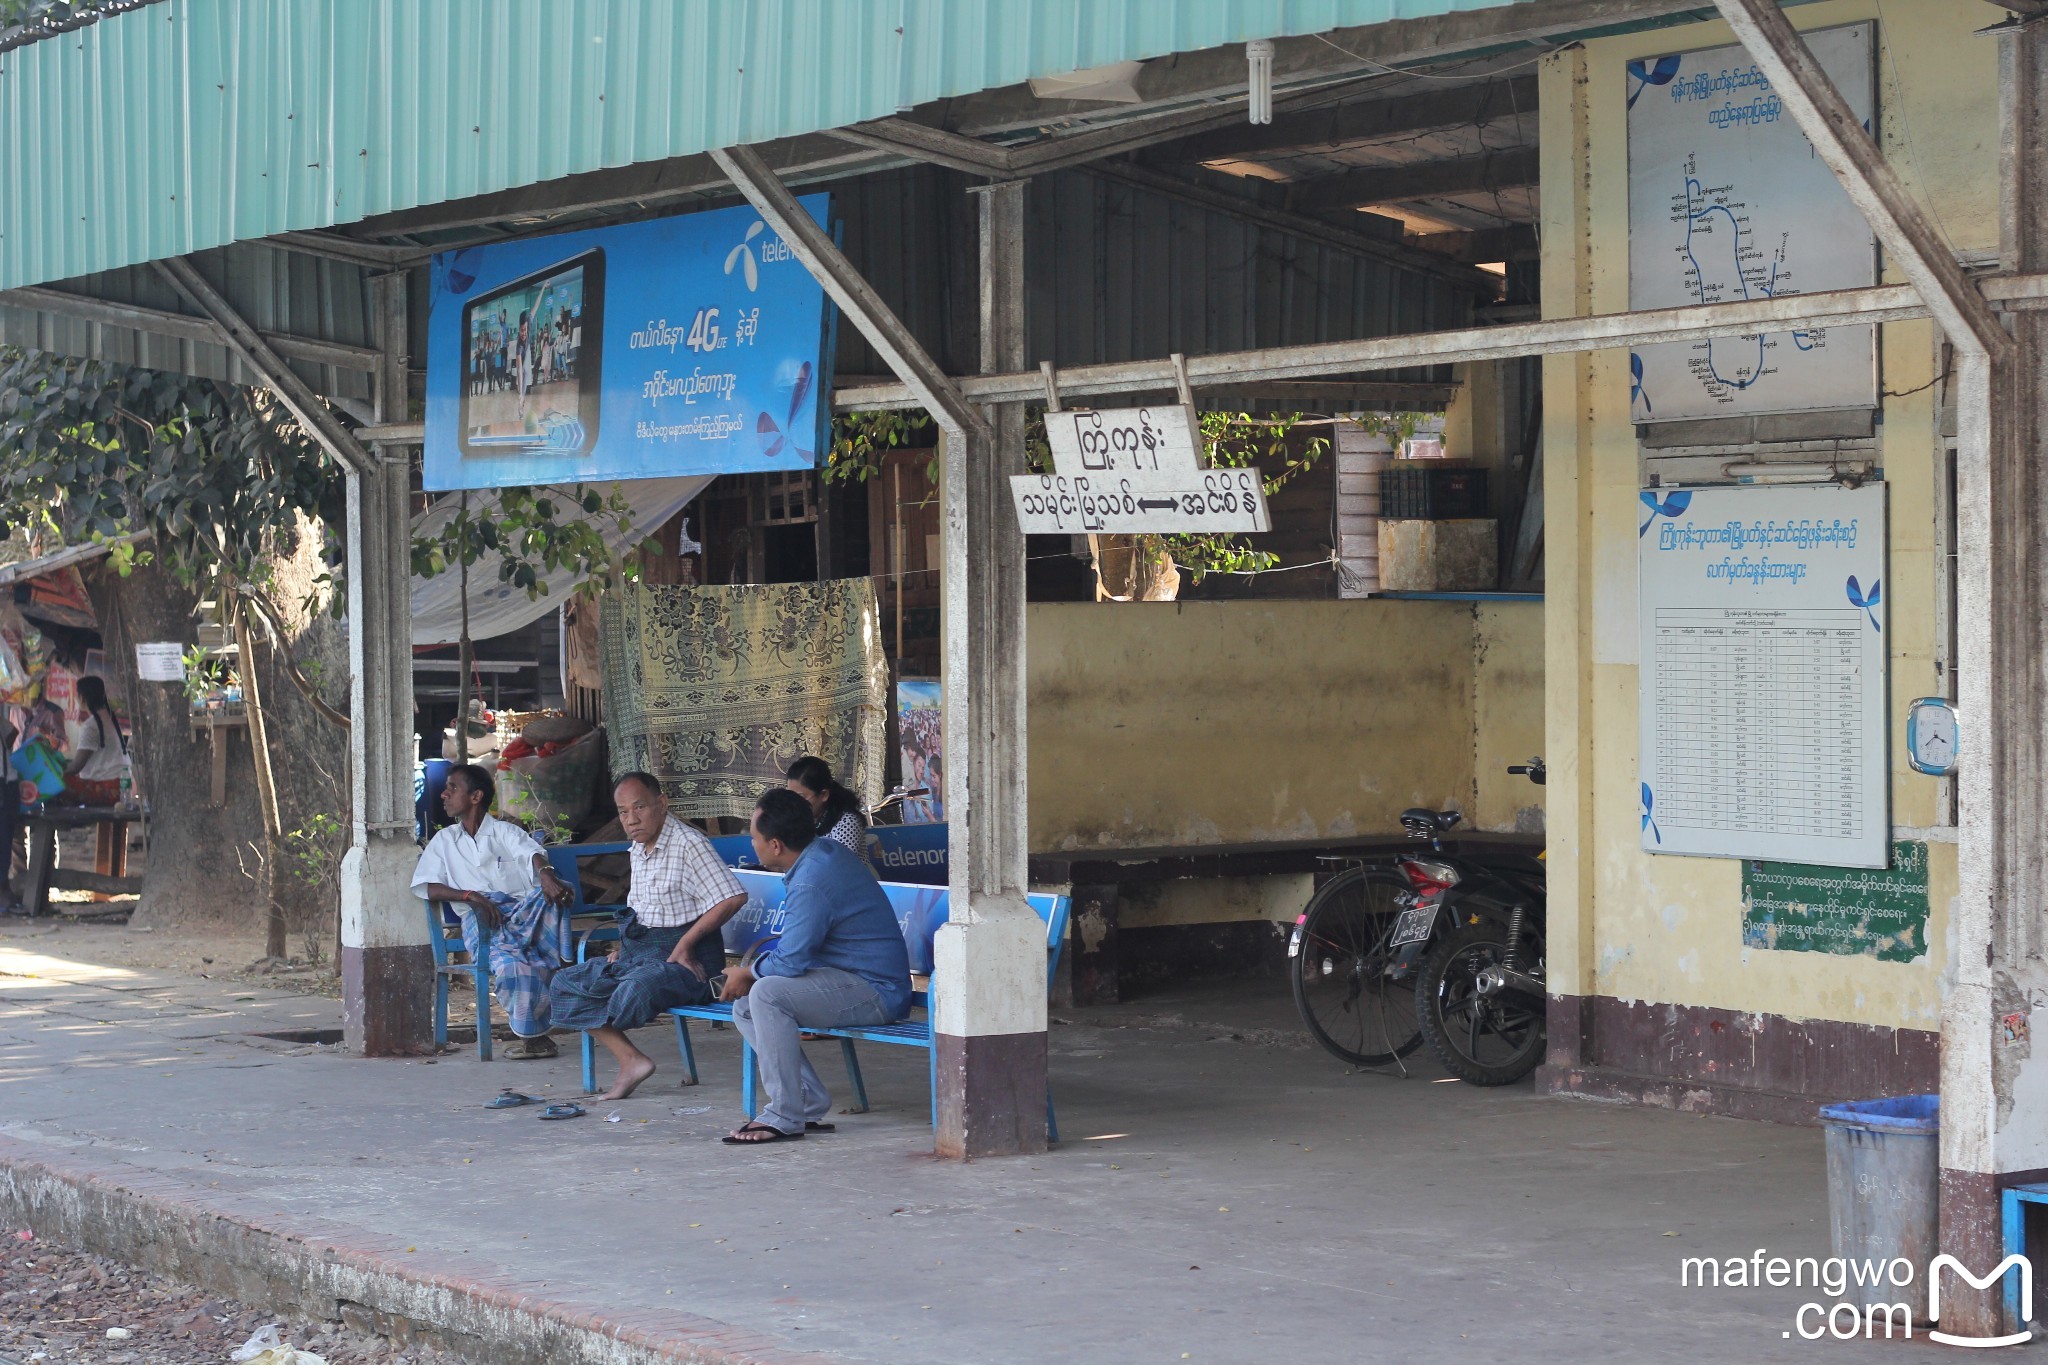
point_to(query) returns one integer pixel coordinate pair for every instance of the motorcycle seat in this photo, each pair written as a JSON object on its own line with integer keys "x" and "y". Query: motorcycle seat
{"x": 1423, "y": 820}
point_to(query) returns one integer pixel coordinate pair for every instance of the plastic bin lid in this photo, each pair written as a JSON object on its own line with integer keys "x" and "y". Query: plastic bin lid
{"x": 1905, "y": 1114}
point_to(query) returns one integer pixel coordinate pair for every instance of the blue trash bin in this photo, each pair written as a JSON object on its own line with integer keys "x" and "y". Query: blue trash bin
{"x": 1884, "y": 1185}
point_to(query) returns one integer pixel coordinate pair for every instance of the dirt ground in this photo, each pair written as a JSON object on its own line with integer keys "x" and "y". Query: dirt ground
{"x": 84, "y": 930}
{"x": 58, "y": 1305}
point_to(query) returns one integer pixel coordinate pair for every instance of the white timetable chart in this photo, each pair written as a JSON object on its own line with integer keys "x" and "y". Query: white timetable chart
{"x": 1763, "y": 674}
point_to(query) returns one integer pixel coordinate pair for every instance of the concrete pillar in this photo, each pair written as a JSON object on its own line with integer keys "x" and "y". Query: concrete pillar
{"x": 386, "y": 965}
{"x": 1994, "y": 1092}
{"x": 990, "y": 1007}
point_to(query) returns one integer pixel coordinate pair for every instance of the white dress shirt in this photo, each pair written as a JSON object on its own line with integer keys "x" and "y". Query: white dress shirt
{"x": 498, "y": 857}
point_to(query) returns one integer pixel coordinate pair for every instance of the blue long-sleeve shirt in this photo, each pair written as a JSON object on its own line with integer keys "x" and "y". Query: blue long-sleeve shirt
{"x": 835, "y": 914}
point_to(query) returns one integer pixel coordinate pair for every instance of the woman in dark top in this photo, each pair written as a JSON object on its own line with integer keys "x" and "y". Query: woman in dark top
{"x": 836, "y": 809}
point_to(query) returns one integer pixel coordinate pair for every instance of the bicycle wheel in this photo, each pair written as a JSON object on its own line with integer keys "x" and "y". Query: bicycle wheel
{"x": 1480, "y": 1041}
{"x": 1341, "y": 967}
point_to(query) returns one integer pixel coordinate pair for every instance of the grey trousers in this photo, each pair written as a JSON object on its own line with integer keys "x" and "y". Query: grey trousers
{"x": 775, "y": 1011}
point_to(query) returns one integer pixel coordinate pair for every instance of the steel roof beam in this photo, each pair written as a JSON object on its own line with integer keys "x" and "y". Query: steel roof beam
{"x": 1318, "y": 230}
{"x": 640, "y": 184}
{"x": 1514, "y": 169}
{"x": 921, "y": 375}
{"x": 245, "y": 341}
{"x": 1908, "y": 237}
{"x": 182, "y": 326}
{"x": 1696, "y": 322}
{"x": 1219, "y": 72}
{"x": 1366, "y": 121}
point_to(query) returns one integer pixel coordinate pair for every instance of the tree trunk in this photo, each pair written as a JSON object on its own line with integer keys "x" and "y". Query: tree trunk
{"x": 207, "y": 858}
{"x": 204, "y": 869}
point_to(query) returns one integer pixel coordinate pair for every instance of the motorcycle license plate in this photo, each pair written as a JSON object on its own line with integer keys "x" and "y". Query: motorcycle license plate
{"x": 1414, "y": 925}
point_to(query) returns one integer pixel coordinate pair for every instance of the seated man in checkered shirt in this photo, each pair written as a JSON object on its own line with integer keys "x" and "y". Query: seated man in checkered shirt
{"x": 682, "y": 894}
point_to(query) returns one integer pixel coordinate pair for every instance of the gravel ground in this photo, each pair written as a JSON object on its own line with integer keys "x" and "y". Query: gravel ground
{"x": 57, "y": 1306}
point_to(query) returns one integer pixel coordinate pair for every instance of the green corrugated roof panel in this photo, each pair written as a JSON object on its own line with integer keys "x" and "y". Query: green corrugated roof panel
{"x": 195, "y": 123}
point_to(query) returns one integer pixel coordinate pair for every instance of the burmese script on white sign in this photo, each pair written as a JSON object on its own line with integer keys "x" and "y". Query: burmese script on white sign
{"x": 1123, "y": 441}
{"x": 1218, "y": 500}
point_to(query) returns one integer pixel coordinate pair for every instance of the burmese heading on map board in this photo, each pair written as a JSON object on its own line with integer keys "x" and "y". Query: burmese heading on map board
{"x": 690, "y": 345}
{"x": 1727, "y": 203}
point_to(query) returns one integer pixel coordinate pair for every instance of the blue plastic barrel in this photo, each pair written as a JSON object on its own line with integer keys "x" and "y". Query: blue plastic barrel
{"x": 1884, "y": 1185}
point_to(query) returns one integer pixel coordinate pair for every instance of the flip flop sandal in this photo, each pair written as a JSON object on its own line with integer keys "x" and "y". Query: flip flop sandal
{"x": 821, "y": 1127}
{"x": 776, "y": 1135}
{"x": 511, "y": 1099}
{"x": 568, "y": 1109}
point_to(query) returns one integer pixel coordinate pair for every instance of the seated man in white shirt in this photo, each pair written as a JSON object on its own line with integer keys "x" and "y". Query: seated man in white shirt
{"x": 497, "y": 876}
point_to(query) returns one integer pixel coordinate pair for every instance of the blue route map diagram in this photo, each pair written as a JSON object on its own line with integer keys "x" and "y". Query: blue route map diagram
{"x": 1728, "y": 203}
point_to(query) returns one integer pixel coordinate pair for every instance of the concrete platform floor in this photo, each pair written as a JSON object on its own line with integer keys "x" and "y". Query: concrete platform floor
{"x": 1225, "y": 1192}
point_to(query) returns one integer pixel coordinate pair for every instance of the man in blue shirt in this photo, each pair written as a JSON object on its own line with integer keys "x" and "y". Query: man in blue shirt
{"x": 840, "y": 963}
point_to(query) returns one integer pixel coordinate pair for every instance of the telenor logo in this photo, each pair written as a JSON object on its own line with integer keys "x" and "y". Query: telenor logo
{"x": 1945, "y": 1260}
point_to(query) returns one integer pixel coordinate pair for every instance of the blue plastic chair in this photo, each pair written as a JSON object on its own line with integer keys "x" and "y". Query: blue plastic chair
{"x": 444, "y": 937}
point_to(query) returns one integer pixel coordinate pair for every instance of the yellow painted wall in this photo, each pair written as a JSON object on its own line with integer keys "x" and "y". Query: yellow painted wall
{"x": 1219, "y": 722}
{"x": 1665, "y": 929}
{"x": 1507, "y": 715}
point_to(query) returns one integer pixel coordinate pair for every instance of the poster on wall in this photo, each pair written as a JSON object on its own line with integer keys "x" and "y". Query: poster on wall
{"x": 1763, "y": 672}
{"x": 1727, "y": 202}
{"x": 1880, "y": 913}
{"x": 918, "y": 722}
{"x": 690, "y": 345}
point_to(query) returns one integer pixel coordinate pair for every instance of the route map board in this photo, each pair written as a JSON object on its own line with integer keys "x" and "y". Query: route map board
{"x": 1727, "y": 202}
{"x": 1762, "y": 696}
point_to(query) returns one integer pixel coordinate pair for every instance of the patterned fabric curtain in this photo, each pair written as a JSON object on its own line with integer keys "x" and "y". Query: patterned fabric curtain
{"x": 717, "y": 690}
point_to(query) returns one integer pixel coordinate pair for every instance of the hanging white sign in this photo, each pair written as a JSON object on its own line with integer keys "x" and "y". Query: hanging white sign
{"x": 1087, "y": 443}
{"x": 1169, "y": 502}
{"x": 160, "y": 661}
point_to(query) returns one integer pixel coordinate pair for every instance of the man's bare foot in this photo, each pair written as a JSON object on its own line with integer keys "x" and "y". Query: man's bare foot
{"x": 630, "y": 1076}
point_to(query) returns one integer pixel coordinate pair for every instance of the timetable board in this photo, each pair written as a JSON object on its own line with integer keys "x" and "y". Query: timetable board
{"x": 1762, "y": 704}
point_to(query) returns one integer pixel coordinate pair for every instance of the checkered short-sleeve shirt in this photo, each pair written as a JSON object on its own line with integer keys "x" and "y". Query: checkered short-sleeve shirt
{"x": 678, "y": 879}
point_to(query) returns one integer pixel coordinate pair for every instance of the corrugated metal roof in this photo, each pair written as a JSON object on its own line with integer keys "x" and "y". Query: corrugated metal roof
{"x": 195, "y": 123}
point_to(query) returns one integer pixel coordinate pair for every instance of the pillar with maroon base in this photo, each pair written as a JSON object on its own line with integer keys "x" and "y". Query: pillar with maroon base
{"x": 989, "y": 972}
{"x": 387, "y": 969}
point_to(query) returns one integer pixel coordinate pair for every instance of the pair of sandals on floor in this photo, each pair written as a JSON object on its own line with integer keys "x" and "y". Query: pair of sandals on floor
{"x": 749, "y": 1134}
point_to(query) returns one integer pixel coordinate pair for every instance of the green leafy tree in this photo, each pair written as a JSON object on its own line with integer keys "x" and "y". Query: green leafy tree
{"x": 219, "y": 480}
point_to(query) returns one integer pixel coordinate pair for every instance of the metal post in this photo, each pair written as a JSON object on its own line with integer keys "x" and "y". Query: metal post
{"x": 990, "y": 1013}
{"x": 990, "y": 970}
{"x": 386, "y": 965}
{"x": 1990, "y": 1081}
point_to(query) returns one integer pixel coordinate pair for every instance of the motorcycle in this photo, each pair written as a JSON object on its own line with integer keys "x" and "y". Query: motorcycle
{"x": 1443, "y": 947}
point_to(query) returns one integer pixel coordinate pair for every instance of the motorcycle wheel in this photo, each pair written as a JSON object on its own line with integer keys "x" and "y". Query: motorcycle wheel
{"x": 1339, "y": 963}
{"x": 1480, "y": 1041}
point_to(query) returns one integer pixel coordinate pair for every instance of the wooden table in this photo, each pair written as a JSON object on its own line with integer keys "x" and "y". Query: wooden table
{"x": 43, "y": 872}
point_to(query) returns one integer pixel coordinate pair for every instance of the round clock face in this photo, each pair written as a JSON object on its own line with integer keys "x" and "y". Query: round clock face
{"x": 1934, "y": 736}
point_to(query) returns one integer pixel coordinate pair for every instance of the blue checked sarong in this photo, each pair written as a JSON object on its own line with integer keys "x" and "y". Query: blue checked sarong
{"x": 525, "y": 950}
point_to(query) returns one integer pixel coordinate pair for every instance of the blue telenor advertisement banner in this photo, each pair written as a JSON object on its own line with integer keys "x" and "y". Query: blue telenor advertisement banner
{"x": 688, "y": 345}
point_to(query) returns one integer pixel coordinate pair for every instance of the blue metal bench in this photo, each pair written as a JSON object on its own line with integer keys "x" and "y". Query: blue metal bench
{"x": 2014, "y": 1199}
{"x": 920, "y": 910}
{"x": 444, "y": 936}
